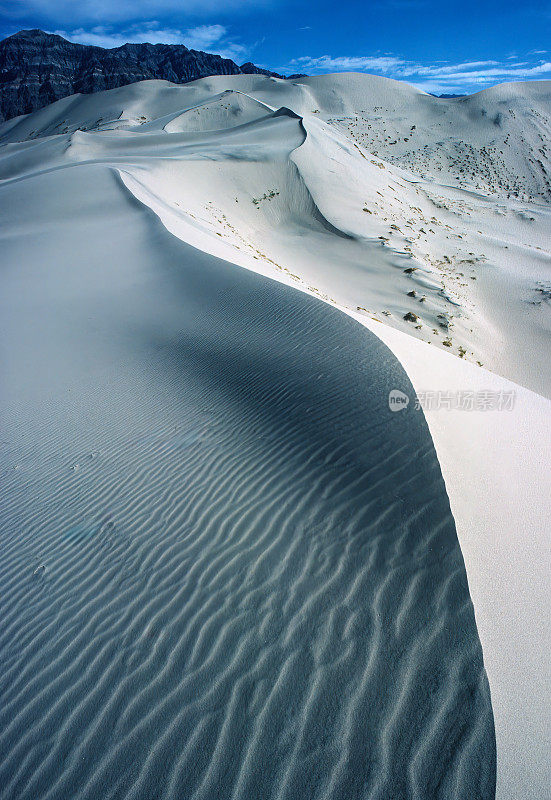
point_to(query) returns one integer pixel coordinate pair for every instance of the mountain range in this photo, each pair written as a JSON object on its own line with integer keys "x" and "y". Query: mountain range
{"x": 37, "y": 68}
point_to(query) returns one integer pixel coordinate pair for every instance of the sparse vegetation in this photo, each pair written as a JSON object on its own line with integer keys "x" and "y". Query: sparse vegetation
{"x": 266, "y": 196}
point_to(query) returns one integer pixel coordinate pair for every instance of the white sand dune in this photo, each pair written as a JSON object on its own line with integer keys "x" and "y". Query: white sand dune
{"x": 229, "y": 570}
{"x": 472, "y": 265}
{"x": 224, "y": 560}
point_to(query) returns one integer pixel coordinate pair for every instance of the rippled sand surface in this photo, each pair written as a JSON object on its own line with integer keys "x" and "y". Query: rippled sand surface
{"x": 227, "y": 569}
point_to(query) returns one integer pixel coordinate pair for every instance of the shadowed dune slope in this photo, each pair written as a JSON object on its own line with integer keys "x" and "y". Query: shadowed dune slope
{"x": 227, "y": 569}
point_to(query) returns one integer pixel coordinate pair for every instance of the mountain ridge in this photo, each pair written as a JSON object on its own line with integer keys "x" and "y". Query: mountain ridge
{"x": 38, "y": 68}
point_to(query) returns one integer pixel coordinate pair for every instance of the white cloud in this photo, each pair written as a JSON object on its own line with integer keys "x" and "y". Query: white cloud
{"x": 445, "y": 69}
{"x": 460, "y": 75}
{"x": 346, "y": 63}
{"x": 104, "y": 37}
{"x": 237, "y": 52}
{"x": 212, "y": 38}
{"x": 204, "y": 36}
{"x": 439, "y": 78}
{"x": 95, "y": 37}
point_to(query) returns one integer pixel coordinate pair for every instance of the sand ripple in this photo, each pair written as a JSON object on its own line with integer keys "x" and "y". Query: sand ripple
{"x": 227, "y": 569}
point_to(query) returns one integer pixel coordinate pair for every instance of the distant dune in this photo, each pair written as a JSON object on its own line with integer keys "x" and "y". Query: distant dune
{"x": 230, "y": 568}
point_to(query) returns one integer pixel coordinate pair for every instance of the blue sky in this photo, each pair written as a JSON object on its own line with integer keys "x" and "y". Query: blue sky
{"x": 446, "y": 46}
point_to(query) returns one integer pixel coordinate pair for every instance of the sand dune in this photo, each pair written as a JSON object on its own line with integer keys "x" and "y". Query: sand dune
{"x": 225, "y": 561}
{"x": 228, "y": 569}
{"x": 470, "y": 265}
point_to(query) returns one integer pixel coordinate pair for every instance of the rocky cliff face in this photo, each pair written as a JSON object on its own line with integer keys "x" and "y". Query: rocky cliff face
{"x": 37, "y": 68}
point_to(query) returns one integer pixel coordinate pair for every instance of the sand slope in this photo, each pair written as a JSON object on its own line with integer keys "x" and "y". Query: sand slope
{"x": 228, "y": 570}
{"x": 496, "y": 470}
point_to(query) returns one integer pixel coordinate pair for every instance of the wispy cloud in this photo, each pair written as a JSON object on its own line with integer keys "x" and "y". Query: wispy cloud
{"x": 461, "y": 79}
{"x": 201, "y": 37}
{"x": 346, "y": 63}
{"x": 204, "y": 36}
{"x": 103, "y": 36}
{"x": 440, "y": 77}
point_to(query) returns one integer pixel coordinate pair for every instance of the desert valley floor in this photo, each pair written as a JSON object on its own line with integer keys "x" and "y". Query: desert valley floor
{"x": 229, "y": 568}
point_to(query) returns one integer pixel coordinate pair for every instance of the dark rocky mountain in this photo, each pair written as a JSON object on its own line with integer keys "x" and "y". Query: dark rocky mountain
{"x": 37, "y": 68}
